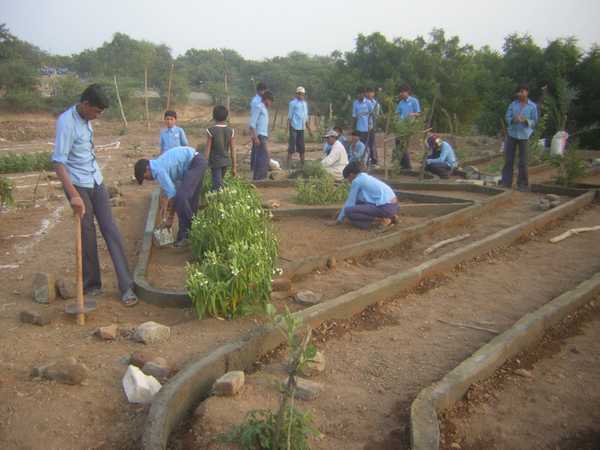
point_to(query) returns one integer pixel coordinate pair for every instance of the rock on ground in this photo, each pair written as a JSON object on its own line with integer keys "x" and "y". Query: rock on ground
{"x": 66, "y": 371}
{"x": 65, "y": 289}
{"x": 314, "y": 367}
{"x": 281, "y": 284}
{"x": 158, "y": 367}
{"x": 152, "y": 333}
{"x": 108, "y": 333}
{"x": 43, "y": 288}
{"x": 307, "y": 390}
{"x": 139, "y": 388}
{"x": 139, "y": 359}
{"x": 308, "y": 297}
{"x": 229, "y": 384}
{"x": 278, "y": 175}
{"x": 36, "y": 318}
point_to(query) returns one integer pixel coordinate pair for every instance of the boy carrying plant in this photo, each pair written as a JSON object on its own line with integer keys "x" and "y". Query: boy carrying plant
{"x": 220, "y": 152}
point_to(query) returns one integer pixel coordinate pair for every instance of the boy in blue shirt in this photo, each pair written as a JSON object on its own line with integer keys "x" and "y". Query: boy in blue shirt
{"x": 180, "y": 172}
{"x": 361, "y": 111}
{"x": 172, "y": 135}
{"x": 259, "y": 132}
{"x": 370, "y": 201}
{"x": 442, "y": 160}
{"x": 75, "y": 164}
{"x": 375, "y": 109}
{"x": 297, "y": 120}
{"x": 521, "y": 119}
{"x": 357, "y": 150}
{"x": 261, "y": 88}
{"x": 408, "y": 108}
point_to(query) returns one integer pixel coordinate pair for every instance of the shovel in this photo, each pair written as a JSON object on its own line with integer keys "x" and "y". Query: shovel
{"x": 82, "y": 306}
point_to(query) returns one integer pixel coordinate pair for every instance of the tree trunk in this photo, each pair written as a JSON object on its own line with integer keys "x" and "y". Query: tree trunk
{"x": 169, "y": 86}
{"x": 120, "y": 103}
{"x": 146, "y": 97}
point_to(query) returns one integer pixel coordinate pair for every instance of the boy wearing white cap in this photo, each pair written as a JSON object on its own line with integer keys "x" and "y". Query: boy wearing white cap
{"x": 297, "y": 120}
{"x": 337, "y": 158}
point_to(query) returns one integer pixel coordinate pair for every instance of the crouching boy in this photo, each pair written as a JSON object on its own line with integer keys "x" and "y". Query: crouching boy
{"x": 442, "y": 160}
{"x": 182, "y": 165}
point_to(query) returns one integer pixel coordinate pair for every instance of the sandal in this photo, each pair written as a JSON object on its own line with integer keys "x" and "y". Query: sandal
{"x": 129, "y": 298}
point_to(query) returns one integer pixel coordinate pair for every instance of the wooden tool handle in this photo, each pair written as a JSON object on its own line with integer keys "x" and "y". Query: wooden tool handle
{"x": 80, "y": 302}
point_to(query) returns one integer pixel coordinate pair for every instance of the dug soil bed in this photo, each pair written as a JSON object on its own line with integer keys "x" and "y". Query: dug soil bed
{"x": 545, "y": 398}
{"x": 380, "y": 360}
{"x": 354, "y": 274}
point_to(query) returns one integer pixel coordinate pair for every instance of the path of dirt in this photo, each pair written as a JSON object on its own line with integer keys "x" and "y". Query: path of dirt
{"x": 377, "y": 363}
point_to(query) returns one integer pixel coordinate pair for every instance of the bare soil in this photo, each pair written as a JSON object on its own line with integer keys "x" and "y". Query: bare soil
{"x": 380, "y": 360}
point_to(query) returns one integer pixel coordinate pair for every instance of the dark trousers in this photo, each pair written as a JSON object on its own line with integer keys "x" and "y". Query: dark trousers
{"x": 363, "y": 214}
{"x": 217, "y": 176}
{"x": 372, "y": 147}
{"x": 261, "y": 159}
{"x": 440, "y": 169}
{"x": 510, "y": 149}
{"x": 296, "y": 141}
{"x": 188, "y": 195}
{"x": 402, "y": 147}
{"x": 97, "y": 205}
{"x": 364, "y": 136}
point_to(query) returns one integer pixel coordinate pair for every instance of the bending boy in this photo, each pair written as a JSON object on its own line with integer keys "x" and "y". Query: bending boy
{"x": 180, "y": 164}
{"x": 442, "y": 160}
{"x": 370, "y": 201}
{"x": 75, "y": 164}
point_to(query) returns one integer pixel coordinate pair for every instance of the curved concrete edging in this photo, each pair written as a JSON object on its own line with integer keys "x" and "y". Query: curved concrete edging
{"x": 193, "y": 383}
{"x": 424, "y": 410}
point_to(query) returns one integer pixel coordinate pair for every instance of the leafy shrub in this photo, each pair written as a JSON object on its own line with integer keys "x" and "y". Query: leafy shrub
{"x": 6, "y": 187}
{"x": 25, "y": 162}
{"x": 570, "y": 167}
{"x": 320, "y": 191}
{"x": 235, "y": 253}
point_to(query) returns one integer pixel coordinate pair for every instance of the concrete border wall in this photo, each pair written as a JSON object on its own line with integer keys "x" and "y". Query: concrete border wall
{"x": 192, "y": 384}
{"x": 529, "y": 330}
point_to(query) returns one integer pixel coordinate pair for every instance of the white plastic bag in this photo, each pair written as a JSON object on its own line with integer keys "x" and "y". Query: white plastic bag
{"x": 163, "y": 237}
{"x": 139, "y": 387}
{"x": 559, "y": 143}
{"x": 274, "y": 165}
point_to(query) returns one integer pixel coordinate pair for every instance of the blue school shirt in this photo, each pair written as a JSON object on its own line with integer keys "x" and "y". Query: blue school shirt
{"x": 172, "y": 137}
{"x": 259, "y": 120}
{"x": 74, "y": 148}
{"x": 361, "y": 112}
{"x": 256, "y": 100}
{"x": 407, "y": 107}
{"x": 375, "y": 108}
{"x": 357, "y": 152}
{"x": 367, "y": 189}
{"x": 521, "y": 131}
{"x": 297, "y": 113}
{"x": 171, "y": 167}
{"x": 447, "y": 156}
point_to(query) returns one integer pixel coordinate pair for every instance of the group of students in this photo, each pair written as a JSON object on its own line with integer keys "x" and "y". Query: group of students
{"x": 180, "y": 168}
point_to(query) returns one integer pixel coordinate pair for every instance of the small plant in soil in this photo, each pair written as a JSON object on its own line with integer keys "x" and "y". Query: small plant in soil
{"x": 406, "y": 131}
{"x": 25, "y": 162}
{"x": 6, "y": 187}
{"x": 317, "y": 187}
{"x": 570, "y": 167}
{"x": 234, "y": 253}
{"x": 287, "y": 428}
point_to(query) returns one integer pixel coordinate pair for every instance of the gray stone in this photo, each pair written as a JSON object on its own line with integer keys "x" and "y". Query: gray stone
{"x": 152, "y": 333}
{"x": 36, "y": 318}
{"x": 544, "y": 205}
{"x": 229, "y": 384}
{"x": 524, "y": 373}
{"x": 139, "y": 359}
{"x": 552, "y": 197}
{"x": 126, "y": 330}
{"x": 67, "y": 371}
{"x": 43, "y": 289}
{"x": 596, "y": 162}
{"x": 159, "y": 368}
{"x": 314, "y": 367}
{"x": 307, "y": 390}
{"x": 65, "y": 289}
{"x": 472, "y": 173}
{"x": 108, "y": 333}
{"x": 308, "y": 297}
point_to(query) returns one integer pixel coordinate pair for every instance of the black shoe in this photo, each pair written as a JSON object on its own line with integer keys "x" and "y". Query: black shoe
{"x": 93, "y": 292}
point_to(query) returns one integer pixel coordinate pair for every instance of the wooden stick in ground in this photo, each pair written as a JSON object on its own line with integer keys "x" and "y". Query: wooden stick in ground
{"x": 78, "y": 252}
{"x": 120, "y": 102}
{"x": 146, "y": 97}
{"x": 573, "y": 232}
{"x": 466, "y": 325}
{"x": 169, "y": 86}
{"x": 440, "y": 244}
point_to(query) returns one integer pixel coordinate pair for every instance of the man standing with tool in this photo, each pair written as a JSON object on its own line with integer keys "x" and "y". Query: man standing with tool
{"x": 297, "y": 120}
{"x": 75, "y": 164}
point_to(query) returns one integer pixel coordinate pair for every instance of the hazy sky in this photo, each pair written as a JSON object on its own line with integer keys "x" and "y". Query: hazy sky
{"x": 266, "y": 28}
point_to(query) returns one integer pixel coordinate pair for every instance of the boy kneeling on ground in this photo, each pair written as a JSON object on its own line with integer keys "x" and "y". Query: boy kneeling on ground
{"x": 370, "y": 201}
{"x": 179, "y": 164}
{"x": 442, "y": 160}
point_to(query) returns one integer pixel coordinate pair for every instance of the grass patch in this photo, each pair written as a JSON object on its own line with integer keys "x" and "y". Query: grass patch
{"x": 25, "y": 162}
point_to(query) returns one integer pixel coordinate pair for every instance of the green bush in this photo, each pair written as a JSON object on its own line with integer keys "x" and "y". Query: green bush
{"x": 235, "y": 253}
{"x": 6, "y": 187}
{"x": 570, "y": 167}
{"x": 25, "y": 162}
{"x": 320, "y": 191}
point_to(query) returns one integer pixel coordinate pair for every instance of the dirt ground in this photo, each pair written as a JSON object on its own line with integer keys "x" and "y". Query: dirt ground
{"x": 379, "y": 361}
{"x": 39, "y": 237}
{"x": 546, "y": 398}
